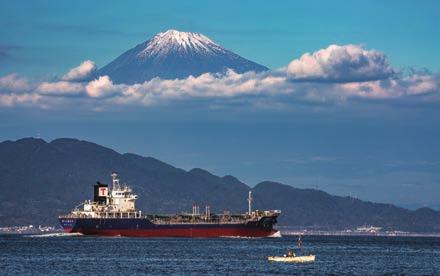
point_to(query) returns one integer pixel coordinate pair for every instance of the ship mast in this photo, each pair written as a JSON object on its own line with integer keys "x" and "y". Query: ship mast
{"x": 250, "y": 202}
{"x": 115, "y": 181}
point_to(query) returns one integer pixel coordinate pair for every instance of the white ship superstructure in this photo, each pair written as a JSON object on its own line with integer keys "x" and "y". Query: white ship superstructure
{"x": 119, "y": 202}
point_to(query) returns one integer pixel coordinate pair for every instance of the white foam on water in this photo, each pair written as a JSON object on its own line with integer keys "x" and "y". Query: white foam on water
{"x": 277, "y": 234}
{"x": 240, "y": 237}
{"x": 59, "y": 234}
{"x": 274, "y": 235}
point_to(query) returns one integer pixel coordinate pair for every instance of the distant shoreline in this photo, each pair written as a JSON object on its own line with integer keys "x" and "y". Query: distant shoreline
{"x": 356, "y": 233}
{"x": 31, "y": 229}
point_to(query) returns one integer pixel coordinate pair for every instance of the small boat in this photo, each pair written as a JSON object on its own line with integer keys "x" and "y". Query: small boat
{"x": 292, "y": 259}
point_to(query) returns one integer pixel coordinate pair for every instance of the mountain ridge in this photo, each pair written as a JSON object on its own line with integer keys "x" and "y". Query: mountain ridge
{"x": 42, "y": 180}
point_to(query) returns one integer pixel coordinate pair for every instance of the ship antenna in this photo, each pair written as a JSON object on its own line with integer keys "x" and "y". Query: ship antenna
{"x": 115, "y": 180}
{"x": 250, "y": 199}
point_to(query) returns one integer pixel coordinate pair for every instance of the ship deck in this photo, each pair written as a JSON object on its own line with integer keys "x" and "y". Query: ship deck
{"x": 176, "y": 218}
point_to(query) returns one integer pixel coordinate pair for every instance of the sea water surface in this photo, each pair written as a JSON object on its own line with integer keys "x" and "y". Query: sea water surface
{"x": 88, "y": 255}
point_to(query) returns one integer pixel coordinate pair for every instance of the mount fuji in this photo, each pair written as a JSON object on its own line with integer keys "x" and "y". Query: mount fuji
{"x": 175, "y": 55}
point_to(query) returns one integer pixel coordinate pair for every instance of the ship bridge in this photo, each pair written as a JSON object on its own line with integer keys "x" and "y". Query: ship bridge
{"x": 119, "y": 202}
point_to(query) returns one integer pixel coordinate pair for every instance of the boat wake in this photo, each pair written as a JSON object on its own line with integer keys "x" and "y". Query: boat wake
{"x": 60, "y": 234}
{"x": 277, "y": 234}
{"x": 274, "y": 235}
{"x": 239, "y": 237}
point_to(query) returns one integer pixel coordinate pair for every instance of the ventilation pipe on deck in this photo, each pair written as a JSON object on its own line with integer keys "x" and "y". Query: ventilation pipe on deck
{"x": 207, "y": 211}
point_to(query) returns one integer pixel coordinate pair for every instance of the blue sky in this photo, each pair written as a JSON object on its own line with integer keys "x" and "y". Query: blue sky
{"x": 379, "y": 149}
{"x": 43, "y": 33}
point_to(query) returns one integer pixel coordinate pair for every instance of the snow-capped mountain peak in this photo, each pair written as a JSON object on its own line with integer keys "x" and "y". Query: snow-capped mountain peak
{"x": 173, "y": 54}
{"x": 176, "y": 41}
{"x": 185, "y": 39}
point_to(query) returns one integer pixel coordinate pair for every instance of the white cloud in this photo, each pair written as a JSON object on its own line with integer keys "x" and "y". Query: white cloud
{"x": 394, "y": 88}
{"x": 422, "y": 84}
{"x": 278, "y": 89}
{"x": 207, "y": 85}
{"x": 60, "y": 88}
{"x": 85, "y": 71}
{"x": 101, "y": 87}
{"x": 265, "y": 89}
{"x": 9, "y": 100}
{"x": 347, "y": 63}
{"x": 13, "y": 83}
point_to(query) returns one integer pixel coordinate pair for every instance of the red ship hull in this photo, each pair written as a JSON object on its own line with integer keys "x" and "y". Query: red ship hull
{"x": 189, "y": 233}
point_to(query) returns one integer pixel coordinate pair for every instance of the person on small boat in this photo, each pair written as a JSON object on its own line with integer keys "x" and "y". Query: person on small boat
{"x": 290, "y": 253}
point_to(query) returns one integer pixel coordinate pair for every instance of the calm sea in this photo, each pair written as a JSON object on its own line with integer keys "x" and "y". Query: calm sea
{"x": 82, "y": 255}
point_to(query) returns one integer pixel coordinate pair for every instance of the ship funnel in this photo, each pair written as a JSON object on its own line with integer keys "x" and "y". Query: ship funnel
{"x": 100, "y": 192}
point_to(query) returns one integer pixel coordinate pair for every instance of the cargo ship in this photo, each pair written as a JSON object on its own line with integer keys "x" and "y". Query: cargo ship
{"x": 112, "y": 212}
